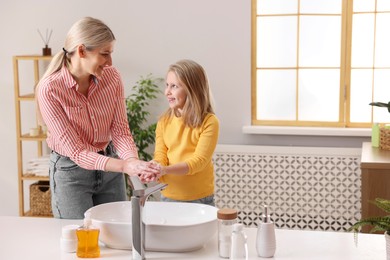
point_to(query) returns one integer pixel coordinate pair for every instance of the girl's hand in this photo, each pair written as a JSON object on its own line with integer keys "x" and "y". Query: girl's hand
{"x": 141, "y": 168}
{"x": 153, "y": 177}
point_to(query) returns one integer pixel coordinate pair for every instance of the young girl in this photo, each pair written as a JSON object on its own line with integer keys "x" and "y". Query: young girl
{"x": 81, "y": 101}
{"x": 186, "y": 136}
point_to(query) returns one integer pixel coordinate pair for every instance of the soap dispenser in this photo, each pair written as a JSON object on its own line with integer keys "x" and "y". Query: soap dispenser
{"x": 88, "y": 239}
{"x": 265, "y": 240}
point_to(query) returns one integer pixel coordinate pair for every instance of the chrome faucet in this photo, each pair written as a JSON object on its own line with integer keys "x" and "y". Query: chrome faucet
{"x": 138, "y": 199}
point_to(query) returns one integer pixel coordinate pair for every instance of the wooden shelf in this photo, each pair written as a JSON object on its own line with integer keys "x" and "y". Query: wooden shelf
{"x": 27, "y": 97}
{"x": 36, "y": 61}
{"x": 33, "y": 57}
{"x": 33, "y": 177}
{"x": 28, "y": 137}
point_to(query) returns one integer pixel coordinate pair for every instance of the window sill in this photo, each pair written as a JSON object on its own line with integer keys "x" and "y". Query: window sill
{"x": 308, "y": 131}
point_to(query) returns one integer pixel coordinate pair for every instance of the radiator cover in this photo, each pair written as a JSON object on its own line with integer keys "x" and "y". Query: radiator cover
{"x": 310, "y": 188}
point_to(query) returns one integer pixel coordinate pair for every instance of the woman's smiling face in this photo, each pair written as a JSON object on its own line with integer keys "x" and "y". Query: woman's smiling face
{"x": 99, "y": 58}
{"x": 175, "y": 92}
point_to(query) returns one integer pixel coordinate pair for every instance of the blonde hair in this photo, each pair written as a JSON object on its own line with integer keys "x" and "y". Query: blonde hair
{"x": 88, "y": 31}
{"x": 199, "y": 98}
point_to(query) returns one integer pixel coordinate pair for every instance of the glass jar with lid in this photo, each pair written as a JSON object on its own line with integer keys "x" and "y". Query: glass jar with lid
{"x": 226, "y": 219}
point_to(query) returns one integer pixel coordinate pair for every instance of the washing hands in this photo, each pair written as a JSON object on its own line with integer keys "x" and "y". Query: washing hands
{"x": 146, "y": 171}
{"x": 152, "y": 176}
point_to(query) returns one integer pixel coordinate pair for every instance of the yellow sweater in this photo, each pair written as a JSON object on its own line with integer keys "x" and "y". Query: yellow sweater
{"x": 176, "y": 143}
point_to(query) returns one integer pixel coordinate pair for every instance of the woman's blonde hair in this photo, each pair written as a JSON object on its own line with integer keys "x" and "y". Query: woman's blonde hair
{"x": 88, "y": 31}
{"x": 199, "y": 98}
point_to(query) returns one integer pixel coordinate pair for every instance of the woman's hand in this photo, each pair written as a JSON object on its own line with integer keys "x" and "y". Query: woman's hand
{"x": 141, "y": 168}
{"x": 153, "y": 177}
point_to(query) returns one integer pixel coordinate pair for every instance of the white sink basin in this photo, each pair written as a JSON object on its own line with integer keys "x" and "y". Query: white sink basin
{"x": 169, "y": 226}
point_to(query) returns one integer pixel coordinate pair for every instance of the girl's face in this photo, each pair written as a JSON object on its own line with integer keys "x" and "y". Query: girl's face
{"x": 175, "y": 92}
{"x": 99, "y": 58}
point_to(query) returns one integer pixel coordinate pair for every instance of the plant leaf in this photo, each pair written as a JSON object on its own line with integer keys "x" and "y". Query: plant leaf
{"x": 379, "y": 104}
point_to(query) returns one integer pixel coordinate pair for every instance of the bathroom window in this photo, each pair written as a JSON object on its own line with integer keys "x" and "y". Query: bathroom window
{"x": 320, "y": 62}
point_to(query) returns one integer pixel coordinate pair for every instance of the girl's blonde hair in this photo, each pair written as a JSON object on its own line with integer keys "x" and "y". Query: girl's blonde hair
{"x": 199, "y": 98}
{"x": 88, "y": 31}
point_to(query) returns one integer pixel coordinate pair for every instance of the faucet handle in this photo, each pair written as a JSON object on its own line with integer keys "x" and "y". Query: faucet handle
{"x": 136, "y": 183}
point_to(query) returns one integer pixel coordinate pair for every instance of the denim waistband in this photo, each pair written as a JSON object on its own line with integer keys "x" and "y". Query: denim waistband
{"x": 109, "y": 151}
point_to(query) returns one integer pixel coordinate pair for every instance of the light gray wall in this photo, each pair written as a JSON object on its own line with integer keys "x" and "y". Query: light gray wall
{"x": 151, "y": 34}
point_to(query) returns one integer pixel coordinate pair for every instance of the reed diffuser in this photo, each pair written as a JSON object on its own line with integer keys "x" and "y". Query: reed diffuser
{"x": 46, "y": 51}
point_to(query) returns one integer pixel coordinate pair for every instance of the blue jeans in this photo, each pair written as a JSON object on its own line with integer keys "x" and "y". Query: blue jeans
{"x": 74, "y": 189}
{"x": 209, "y": 200}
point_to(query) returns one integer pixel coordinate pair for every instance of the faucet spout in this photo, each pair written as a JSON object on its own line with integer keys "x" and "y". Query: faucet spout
{"x": 154, "y": 189}
{"x": 138, "y": 199}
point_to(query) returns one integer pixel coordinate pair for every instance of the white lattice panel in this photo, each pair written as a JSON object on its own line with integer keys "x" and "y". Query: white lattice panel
{"x": 305, "y": 188}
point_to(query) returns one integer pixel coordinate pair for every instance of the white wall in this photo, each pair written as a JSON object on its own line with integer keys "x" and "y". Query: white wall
{"x": 151, "y": 34}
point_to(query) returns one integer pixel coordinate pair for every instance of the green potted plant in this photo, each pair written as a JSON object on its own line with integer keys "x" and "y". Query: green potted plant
{"x": 142, "y": 128}
{"x": 379, "y": 223}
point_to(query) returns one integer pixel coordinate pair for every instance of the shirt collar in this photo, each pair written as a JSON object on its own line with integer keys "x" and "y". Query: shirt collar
{"x": 69, "y": 80}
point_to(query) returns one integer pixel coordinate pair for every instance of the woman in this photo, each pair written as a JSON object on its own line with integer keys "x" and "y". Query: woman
{"x": 81, "y": 101}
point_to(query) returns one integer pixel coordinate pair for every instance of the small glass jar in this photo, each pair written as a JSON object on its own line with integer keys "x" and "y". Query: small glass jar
{"x": 226, "y": 219}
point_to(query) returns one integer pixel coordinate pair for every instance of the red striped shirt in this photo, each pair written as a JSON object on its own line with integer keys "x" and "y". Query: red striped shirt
{"x": 80, "y": 126}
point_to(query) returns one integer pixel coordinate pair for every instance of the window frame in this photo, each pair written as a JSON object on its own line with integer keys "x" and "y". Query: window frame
{"x": 345, "y": 78}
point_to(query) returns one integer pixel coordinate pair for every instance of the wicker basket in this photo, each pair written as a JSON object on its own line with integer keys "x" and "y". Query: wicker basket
{"x": 384, "y": 140}
{"x": 40, "y": 199}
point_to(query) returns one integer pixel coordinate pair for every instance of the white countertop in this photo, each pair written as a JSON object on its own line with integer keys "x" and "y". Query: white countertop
{"x": 39, "y": 238}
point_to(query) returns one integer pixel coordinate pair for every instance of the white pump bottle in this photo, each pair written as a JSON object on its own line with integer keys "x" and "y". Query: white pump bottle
{"x": 265, "y": 240}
